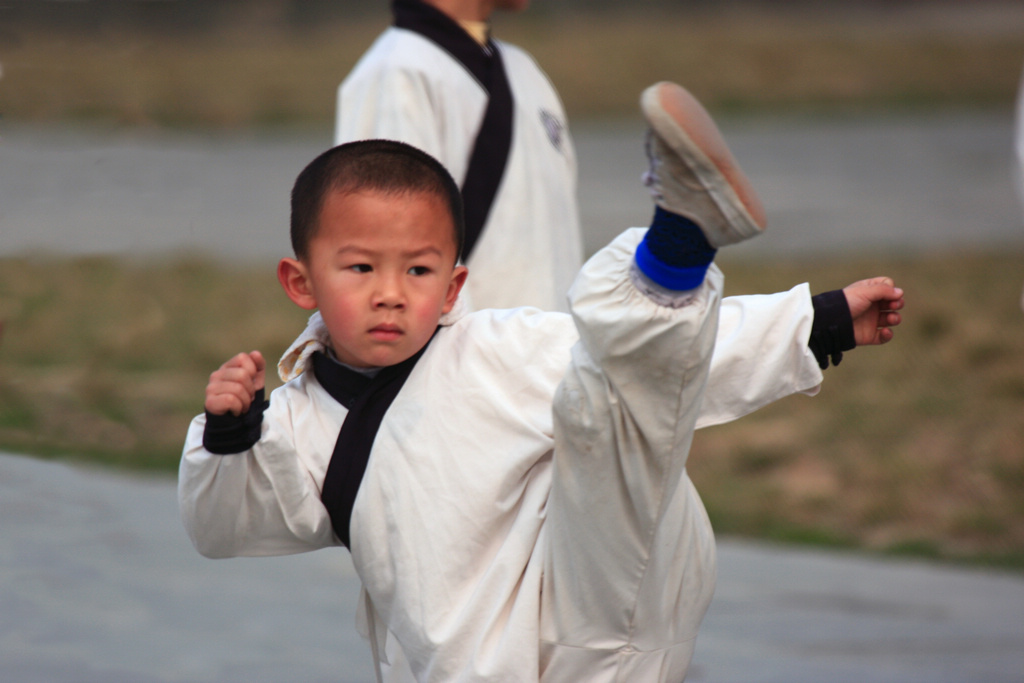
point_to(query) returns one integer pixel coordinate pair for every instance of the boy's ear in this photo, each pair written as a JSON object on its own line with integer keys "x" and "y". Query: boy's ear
{"x": 454, "y": 287}
{"x": 294, "y": 278}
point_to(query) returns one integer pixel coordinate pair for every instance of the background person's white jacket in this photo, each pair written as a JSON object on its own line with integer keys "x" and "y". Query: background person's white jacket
{"x": 407, "y": 88}
{"x": 448, "y": 528}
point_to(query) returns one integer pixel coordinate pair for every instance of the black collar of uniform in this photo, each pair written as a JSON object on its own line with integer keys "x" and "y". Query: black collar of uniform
{"x": 367, "y": 400}
{"x": 345, "y": 385}
{"x": 438, "y": 27}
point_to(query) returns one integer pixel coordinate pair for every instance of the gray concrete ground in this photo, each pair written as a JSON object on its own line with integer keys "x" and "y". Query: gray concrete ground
{"x": 874, "y": 184}
{"x": 99, "y": 584}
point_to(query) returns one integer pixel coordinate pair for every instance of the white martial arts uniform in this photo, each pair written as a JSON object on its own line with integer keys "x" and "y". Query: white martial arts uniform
{"x": 407, "y": 88}
{"x": 500, "y": 540}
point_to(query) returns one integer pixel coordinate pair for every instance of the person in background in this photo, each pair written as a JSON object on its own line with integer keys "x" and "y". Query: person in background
{"x": 437, "y": 80}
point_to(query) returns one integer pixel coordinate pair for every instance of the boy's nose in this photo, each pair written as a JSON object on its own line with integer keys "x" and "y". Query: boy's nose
{"x": 389, "y": 294}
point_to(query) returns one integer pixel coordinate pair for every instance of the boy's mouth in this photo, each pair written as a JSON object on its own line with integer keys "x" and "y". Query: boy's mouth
{"x": 386, "y": 332}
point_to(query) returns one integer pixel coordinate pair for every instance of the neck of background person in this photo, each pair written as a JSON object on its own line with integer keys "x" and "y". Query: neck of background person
{"x": 423, "y": 17}
{"x": 479, "y": 31}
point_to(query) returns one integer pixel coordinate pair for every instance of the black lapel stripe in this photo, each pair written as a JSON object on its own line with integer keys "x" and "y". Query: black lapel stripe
{"x": 490, "y": 155}
{"x": 366, "y": 409}
{"x": 493, "y": 143}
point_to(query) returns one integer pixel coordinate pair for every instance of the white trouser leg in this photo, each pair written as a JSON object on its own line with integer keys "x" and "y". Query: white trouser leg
{"x": 629, "y": 553}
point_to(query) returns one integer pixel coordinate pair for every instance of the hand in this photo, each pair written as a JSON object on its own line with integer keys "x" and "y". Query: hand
{"x": 874, "y": 304}
{"x": 233, "y": 386}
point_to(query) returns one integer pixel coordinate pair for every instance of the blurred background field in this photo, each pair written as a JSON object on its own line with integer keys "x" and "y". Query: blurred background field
{"x": 274, "y": 62}
{"x": 913, "y": 448}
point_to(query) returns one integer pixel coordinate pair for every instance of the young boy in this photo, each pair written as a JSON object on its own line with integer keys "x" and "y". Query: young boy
{"x": 511, "y": 484}
{"x": 437, "y": 80}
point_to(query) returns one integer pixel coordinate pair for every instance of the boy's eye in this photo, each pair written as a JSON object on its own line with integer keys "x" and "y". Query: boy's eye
{"x": 361, "y": 268}
{"x": 419, "y": 270}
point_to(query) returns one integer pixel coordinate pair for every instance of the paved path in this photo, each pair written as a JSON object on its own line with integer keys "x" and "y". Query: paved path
{"x": 871, "y": 183}
{"x": 99, "y": 584}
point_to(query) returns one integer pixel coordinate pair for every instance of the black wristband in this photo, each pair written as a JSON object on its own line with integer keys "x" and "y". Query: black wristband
{"x": 227, "y": 434}
{"x": 832, "y": 330}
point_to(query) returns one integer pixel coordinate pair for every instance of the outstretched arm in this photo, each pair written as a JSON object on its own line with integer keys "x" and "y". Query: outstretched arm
{"x": 751, "y": 368}
{"x": 874, "y": 306}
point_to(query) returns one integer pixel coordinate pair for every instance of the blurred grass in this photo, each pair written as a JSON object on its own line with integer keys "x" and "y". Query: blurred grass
{"x": 107, "y": 360}
{"x": 911, "y": 448}
{"x": 914, "y": 447}
{"x": 258, "y": 72}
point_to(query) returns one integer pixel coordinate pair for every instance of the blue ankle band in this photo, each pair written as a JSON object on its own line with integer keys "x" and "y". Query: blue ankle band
{"x": 674, "y": 254}
{"x": 669, "y": 277}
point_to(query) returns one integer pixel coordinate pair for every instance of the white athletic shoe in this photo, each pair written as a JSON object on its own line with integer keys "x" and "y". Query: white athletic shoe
{"x": 692, "y": 172}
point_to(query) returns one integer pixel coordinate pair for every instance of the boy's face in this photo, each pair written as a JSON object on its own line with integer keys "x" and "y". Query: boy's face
{"x": 381, "y": 269}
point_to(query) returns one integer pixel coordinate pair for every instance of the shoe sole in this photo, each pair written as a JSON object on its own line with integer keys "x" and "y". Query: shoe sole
{"x": 685, "y": 126}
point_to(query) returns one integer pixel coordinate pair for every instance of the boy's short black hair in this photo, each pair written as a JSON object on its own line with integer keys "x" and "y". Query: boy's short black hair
{"x": 382, "y": 166}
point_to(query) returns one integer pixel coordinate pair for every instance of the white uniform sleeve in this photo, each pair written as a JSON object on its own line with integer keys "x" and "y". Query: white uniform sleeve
{"x": 265, "y": 501}
{"x": 761, "y": 354}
